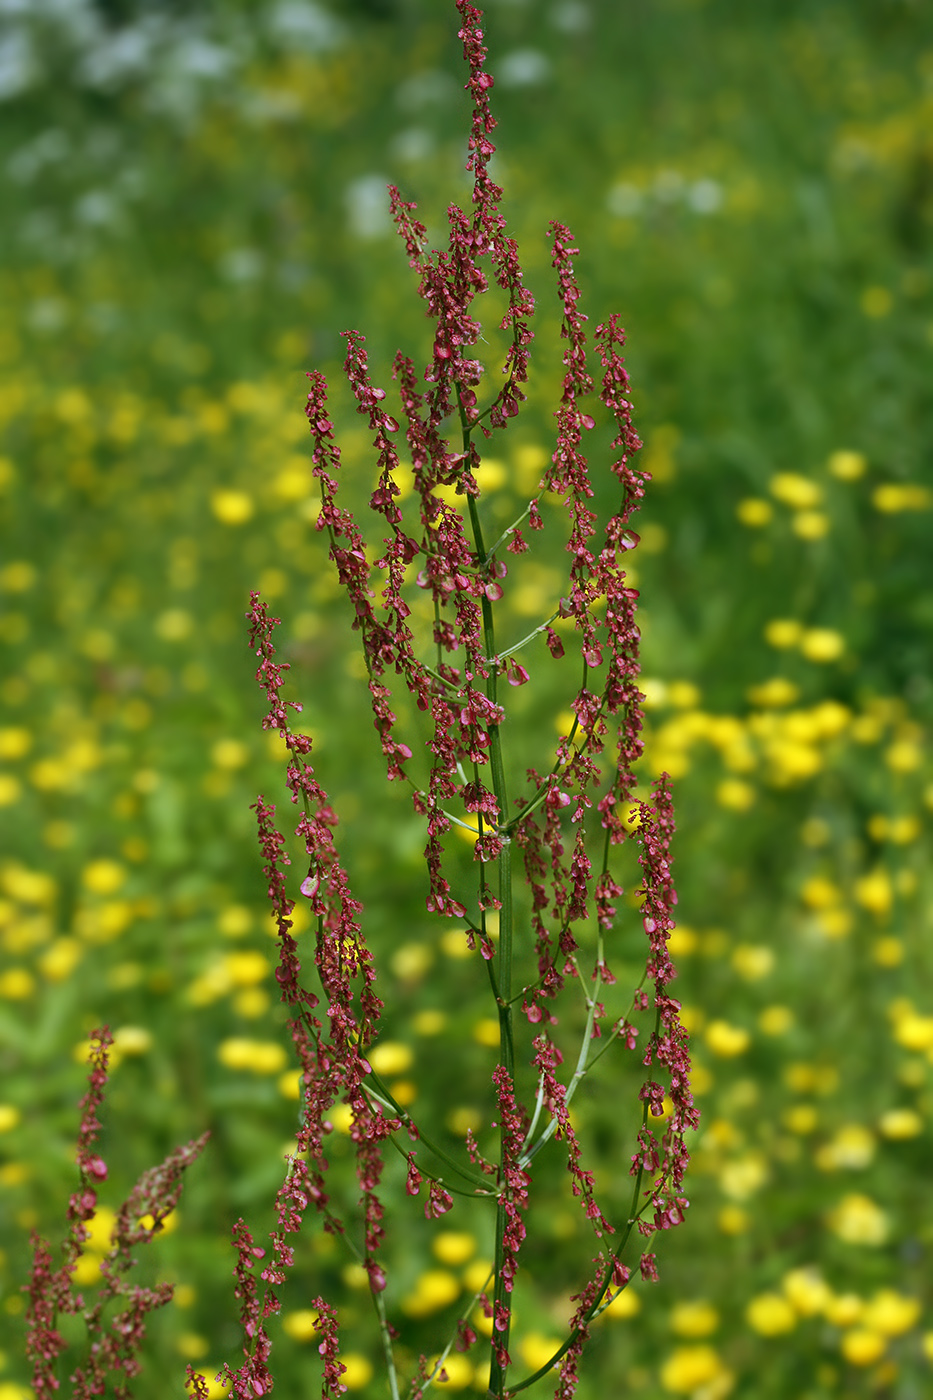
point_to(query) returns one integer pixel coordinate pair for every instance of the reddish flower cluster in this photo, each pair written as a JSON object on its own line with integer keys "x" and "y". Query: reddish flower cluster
{"x": 329, "y": 1348}
{"x": 253, "y": 1377}
{"x": 546, "y": 1059}
{"x": 114, "y": 1347}
{"x": 668, "y": 1044}
{"x": 514, "y": 1184}
{"x": 573, "y": 806}
{"x": 332, "y": 1059}
{"x": 586, "y": 1302}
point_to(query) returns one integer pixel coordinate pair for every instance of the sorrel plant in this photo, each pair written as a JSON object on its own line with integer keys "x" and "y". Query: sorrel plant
{"x": 533, "y": 946}
{"x": 113, "y": 1344}
{"x": 544, "y": 915}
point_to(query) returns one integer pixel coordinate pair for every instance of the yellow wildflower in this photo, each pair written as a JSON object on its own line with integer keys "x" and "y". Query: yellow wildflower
{"x": 847, "y": 466}
{"x": 689, "y": 1368}
{"x": 694, "y": 1319}
{"x": 232, "y": 507}
{"x": 752, "y": 961}
{"x": 773, "y": 693}
{"x": 861, "y": 1347}
{"x": 875, "y": 892}
{"x": 434, "y": 1289}
{"x": 810, "y": 524}
{"x": 391, "y": 1057}
{"x": 454, "y": 1247}
{"x": 891, "y": 1313}
{"x": 900, "y": 1123}
{"x": 794, "y": 490}
{"x": 727, "y": 1040}
{"x": 858, "y": 1219}
{"x": 770, "y": 1315}
{"x": 807, "y": 1290}
{"x": 852, "y": 1148}
{"x": 783, "y": 632}
{"x": 893, "y": 497}
{"x": 776, "y": 1020}
{"x": 822, "y": 644}
{"x": 258, "y": 1056}
{"x": 735, "y": 795}
{"x": 301, "y": 1325}
{"x": 754, "y": 512}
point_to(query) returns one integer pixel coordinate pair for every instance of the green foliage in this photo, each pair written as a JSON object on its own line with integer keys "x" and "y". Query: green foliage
{"x": 752, "y": 189}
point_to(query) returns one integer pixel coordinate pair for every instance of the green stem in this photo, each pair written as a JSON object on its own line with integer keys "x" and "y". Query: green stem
{"x": 594, "y": 1308}
{"x": 578, "y": 1074}
{"x": 501, "y": 1298}
{"x": 510, "y": 651}
{"x": 380, "y": 1306}
{"x": 406, "y": 1117}
{"x": 464, "y": 1317}
{"x": 507, "y": 532}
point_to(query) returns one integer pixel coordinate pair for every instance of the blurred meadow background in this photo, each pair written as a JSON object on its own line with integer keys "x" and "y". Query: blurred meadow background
{"x": 193, "y": 209}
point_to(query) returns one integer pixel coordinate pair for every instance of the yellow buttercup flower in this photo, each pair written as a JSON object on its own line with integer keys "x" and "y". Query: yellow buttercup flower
{"x": 773, "y": 693}
{"x": 844, "y": 1309}
{"x": 770, "y": 1315}
{"x": 301, "y": 1325}
{"x": 898, "y": 1124}
{"x": 754, "y": 512}
{"x": 742, "y": 1177}
{"x": 862, "y": 1347}
{"x": 536, "y": 1349}
{"x": 458, "y": 1371}
{"x": 859, "y": 1220}
{"x": 810, "y": 524}
{"x": 752, "y": 961}
{"x": 727, "y": 1040}
{"x": 852, "y": 1148}
{"x": 783, "y": 632}
{"x": 624, "y": 1304}
{"x": 9, "y": 1117}
{"x": 694, "y": 1319}
{"x": 875, "y": 892}
{"x": 689, "y": 1368}
{"x": 891, "y": 1313}
{"x": 822, "y": 644}
{"x": 776, "y": 1020}
{"x": 391, "y": 1057}
{"x": 103, "y": 876}
{"x": 434, "y": 1290}
{"x": 807, "y": 1291}
{"x": 258, "y": 1056}
{"x": 893, "y": 497}
{"x": 229, "y": 754}
{"x": 801, "y": 1118}
{"x": 454, "y": 1247}
{"x": 174, "y": 625}
{"x": 232, "y": 507}
{"x": 735, "y": 795}
{"x": 794, "y": 490}
{"x": 847, "y": 466}
{"x": 14, "y": 742}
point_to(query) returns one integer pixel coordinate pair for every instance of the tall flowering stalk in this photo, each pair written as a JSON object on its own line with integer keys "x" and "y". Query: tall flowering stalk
{"x": 559, "y": 837}
{"x": 113, "y": 1342}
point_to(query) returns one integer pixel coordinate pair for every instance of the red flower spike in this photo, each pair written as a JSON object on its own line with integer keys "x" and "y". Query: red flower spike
{"x": 431, "y": 542}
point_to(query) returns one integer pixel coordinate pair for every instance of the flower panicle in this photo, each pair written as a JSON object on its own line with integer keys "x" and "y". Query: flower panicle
{"x": 668, "y": 1044}
{"x": 330, "y": 1050}
{"x": 115, "y": 1342}
{"x": 583, "y": 800}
